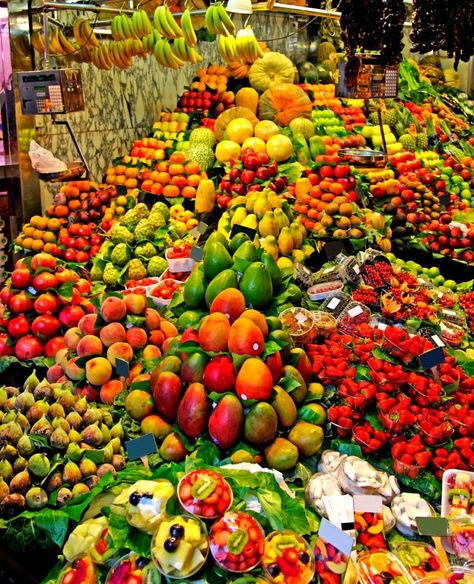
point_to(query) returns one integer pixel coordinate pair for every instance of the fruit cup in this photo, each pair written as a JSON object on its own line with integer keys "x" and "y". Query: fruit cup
{"x": 324, "y": 323}
{"x": 369, "y": 439}
{"x": 452, "y": 334}
{"x": 288, "y": 559}
{"x": 134, "y": 569}
{"x": 323, "y": 290}
{"x": 180, "y": 546}
{"x": 381, "y": 567}
{"x": 331, "y": 563}
{"x": 205, "y": 493}
{"x": 80, "y": 571}
{"x": 421, "y": 560}
{"x": 369, "y": 528}
{"x": 299, "y": 323}
{"x": 248, "y": 579}
{"x": 237, "y": 542}
{"x": 457, "y": 493}
{"x": 459, "y": 575}
{"x": 353, "y": 315}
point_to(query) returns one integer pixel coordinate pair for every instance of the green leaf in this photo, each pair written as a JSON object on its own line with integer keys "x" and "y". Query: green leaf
{"x": 378, "y": 353}
{"x": 362, "y": 373}
{"x": 54, "y": 523}
{"x": 177, "y": 300}
{"x": 65, "y": 291}
{"x": 138, "y": 321}
{"x": 465, "y": 287}
{"x": 76, "y": 507}
{"x": 125, "y": 536}
{"x": 289, "y": 384}
{"x": 346, "y": 447}
{"x": 271, "y": 347}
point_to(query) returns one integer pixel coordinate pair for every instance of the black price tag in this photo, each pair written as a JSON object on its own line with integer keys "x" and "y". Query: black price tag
{"x": 314, "y": 260}
{"x": 432, "y": 526}
{"x": 122, "y": 367}
{"x": 433, "y": 139}
{"x": 196, "y": 253}
{"x": 333, "y": 248}
{"x": 140, "y": 447}
{"x": 242, "y": 229}
{"x": 432, "y": 358}
{"x": 202, "y": 227}
{"x": 121, "y": 190}
{"x": 445, "y": 199}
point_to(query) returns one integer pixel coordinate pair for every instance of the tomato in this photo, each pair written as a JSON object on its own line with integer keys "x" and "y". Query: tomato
{"x": 6, "y": 349}
{"x": 18, "y": 326}
{"x": 82, "y": 243}
{"x": 84, "y": 230}
{"x": 44, "y": 281}
{"x": 74, "y": 228}
{"x": 82, "y": 257}
{"x": 95, "y": 239}
{"x": 53, "y": 346}
{"x": 46, "y": 326}
{"x": 71, "y": 315}
{"x": 43, "y": 260}
{"x": 20, "y": 302}
{"x": 66, "y": 275}
{"x": 46, "y": 303}
{"x": 28, "y": 347}
{"x": 21, "y": 278}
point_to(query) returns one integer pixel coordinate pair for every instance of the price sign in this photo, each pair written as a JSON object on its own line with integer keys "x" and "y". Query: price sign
{"x": 141, "y": 447}
{"x": 121, "y": 190}
{"x": 242, "y": 229}
{"x": 196, "y": 253}
{"x": 432, "y": 526}
{"x": 432, "y": 358}
{"x": 122, "y": 367}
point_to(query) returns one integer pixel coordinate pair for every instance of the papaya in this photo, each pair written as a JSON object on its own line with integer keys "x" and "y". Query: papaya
{"x": 192, "y": 369}
{"x": 256, "y": 285}
{"x": 245, "y": 255}
{"x": 193, "y": 411}
{"x": 226, "y": 422}
{"x": 238, "y": 239}
{"x": 298, "y": 395}
{"x": 216, "y": 259}
{"x": 261, "y": 423}
{"x": 308, "y": 438}
{"x": 281, "y": 454}
{"x": 219, "y": 237}
{"x": 226, "y": 279}
{"x": 245, "y": 338}
{"x": 284, "y": 407}
{"x": 195, "y": 288}
{"x": 274, "y": 270}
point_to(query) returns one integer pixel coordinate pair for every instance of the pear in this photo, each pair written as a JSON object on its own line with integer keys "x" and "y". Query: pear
{"x": 285, "y": 242}
{"x": 239, "y": 216}
{"x": 59, "y": 438}
{"x": 270, "y": 245}
{"x": 250, "y": 221}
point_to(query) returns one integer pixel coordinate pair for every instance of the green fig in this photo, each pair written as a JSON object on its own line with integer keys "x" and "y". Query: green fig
{"x": 12, "y": 505}
{"x": 31, "y": 382}
{"x": 59, "y": 438}
{"x": 116, "y": 445}
{"x": 22, "y": 421}
{"x": 87, "y": 467}
{"x": 3, "y": 397}
{"x": 68, "y": 400}
{"x": 56, "y": 411}
{"x": 10, "y": 432}
{"x": 54, "y": 482}
{"x": 4, "y": 490}
{"x": 74, "y": 452}
{"x": 80, "y": 489}
{"x": 116, "y": 431}
{"x": 74, "y": 420}
{"x": 92, "y": 416}
{"x": 103, "y": 469}
{"x": 21, "y": 482}
{"x": 71, "y": 473}
{"x": 6, "y": 470}
{"x": 64, "y": 496}
{"x": 24, "y": 401}
{"x": 37, "y": 411}
{"x": 42, "y": 428}
{"x": 118, "y": 461}
{"x": 10, "y": 416}
{"x": 36, "y": 498}
{"x": 105, "y": 433}
{"x": 108, "y": 453}
{"x": 61, "y": 423}
{"x": 12, "y": 391}
{"x": 107, "y": 418}
{"x": 43, "y": 391}
{"x": 25, "y": 446}
{"x": 81, "y": 406}
{"x": 92, "y": 435}
{"x": 74, "y": 436}
{"x": 9, "y": 452}
{"x": 91, "y": 481}
{"x": 10, "y": 404}
{"x": 20, "y": 464}
{"x": 39, "y": 465}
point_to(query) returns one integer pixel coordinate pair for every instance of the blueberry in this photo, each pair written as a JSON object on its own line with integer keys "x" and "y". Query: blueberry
{"x": 386, "y": 577}
{"x": 177, "y": 531}
{"x": 426, "y": 566}
{"x": 142, "y": 562}
{"x": 273, "y": 570}
{"x": 304, "y": 557}
{"x": 171, "y": 544}
{"x": 135, "y": 498}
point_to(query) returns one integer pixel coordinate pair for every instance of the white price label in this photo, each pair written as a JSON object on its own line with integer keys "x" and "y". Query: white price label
{"x": 353, "y": 312}
{"x": 334, "y": 303}
{"x": 301, "y": 317}
{"x": 329, "y": 270}
{"x": 381, "y": 326}
{"x": 437, "y": 341}
{"x": 449, "y": 312}
{"x": 357, "y": 269}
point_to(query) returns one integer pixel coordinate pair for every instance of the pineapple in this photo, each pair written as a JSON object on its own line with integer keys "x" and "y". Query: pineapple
{"x": 422, "y": 141}
{"x": 408, "y": 142}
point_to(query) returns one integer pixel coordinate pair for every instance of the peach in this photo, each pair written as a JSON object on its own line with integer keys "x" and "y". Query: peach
{"x": 89, "y": 345}
{"x": 61, "y": 357}
{"x": 150, "y": 352}
{"x": 72, "y": 370}
{"x": 113, "y": 309}
{"x": 141, "y": 377}
{"x": 54, "y": 373}
{"x": 119, "y": 351}
{"x": 87, "y": 323}
{"x": 72, "y": 338}
{"x": 135, "y": 370}
{"x": 152, "y": 319}
{"x": 168, "y": 329}
{"x": 157, "y": 338}
{"x": 135, "y": 303}
{"x": 98, "y": 370}
{"x": 110, "y": 390}
{"x": 137, "y": 337}
{"x": 112, "y": 333}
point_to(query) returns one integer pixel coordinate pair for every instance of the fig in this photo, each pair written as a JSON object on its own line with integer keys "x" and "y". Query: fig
{"x": 12, "y": 505}
{"x": 10, "y": 416}
{"x": 64, "y": 496}
{"x": 68, "y": 400}
{"x": 87, "y": 467}
{"x": 74, "y": 452}
{"x": 116, "y": 445}
{"x": 56, "y": 411}
{"x": 59, "y": 438}
{"x": 91, "y": 481}
{"x": 21, "y": 482}
{"x": 4, "y": 490}
{"x": 22, "y": 421}
{"x": 9, "y": 452}
{"x": 39, "y": 465}
{"x": 92, "y": 435}
{"x": 20, "y": 464}
{"x": 103, "y": 469}
{"x": 37, "y": 411}
{"x": 42, "y": 428}
{"x": 71, "y": 473}
{"x": 74, "y": 436}
{"x": 3, "y": 397}
{"x": 107, "y": 418}
{"x": 25, "y": 446}
{"x": 43, "y": 391}
{"x": 108, "y": 453}
{"x": 10, "y": 432}
{"x": 31, "y": 382}
{"x": 118, "y": 461}
{"x": 24, "y": 401}
{"x": 6, "y": 470}
{"x": 54, "y": 482}
{"x": 80, "y": 489}
{"x": 36, "y": 498}
{"x": 81, "y": 406}
{"x": 105, "y": 433}
{"x": 116, "y": 431}
{"x": 92, "y": 416}
{"x": 12, "y": 391}
{"x": 74, "y": 420}
{"x": 9, "y": 404}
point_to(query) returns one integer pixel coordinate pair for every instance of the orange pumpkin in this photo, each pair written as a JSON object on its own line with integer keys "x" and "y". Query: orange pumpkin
{"x": 284, "y": 102}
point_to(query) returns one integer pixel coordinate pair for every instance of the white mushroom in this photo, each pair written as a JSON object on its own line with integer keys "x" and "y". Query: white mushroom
{"x": 318, "y": 486}
{"x": 330, "y": 461}
{"x": 406, "y": 507}
{"x": 357, "y": 477}
{"x": 389, "y": 487}
{"x": 389, "y": 520}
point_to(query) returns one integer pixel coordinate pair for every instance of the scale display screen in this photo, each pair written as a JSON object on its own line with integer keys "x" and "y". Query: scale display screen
{"x": 365, "y": 77}
{"x": 57, "y": 91}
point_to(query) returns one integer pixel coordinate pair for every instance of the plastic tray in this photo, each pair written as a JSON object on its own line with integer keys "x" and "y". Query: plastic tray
{"x": 324, "y": 290}
{"x": 336, "y": 304}
{"x": 179, "y": 264}
{"x": 446, "y": 508}
{"x": 161, "y": 301}
{"x": 353, "y": 315}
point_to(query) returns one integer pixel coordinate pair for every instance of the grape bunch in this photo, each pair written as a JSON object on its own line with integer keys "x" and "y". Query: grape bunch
{"x": 430, "y": 25}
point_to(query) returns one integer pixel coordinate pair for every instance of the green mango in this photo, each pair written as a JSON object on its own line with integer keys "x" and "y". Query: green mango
{"x": 192, "y": 369}
{"x": 283, "y": 339}
{"x": 256, "y": 285}
{"x": 294, "y": 294}
{"x": 298, "y": 395}
{"x": 261, "y": 423}
{"x": 226, "y": 279}
{"x": 274, "y": 270}
{"x": 216, "y": 259}
{"x": 195, "y": 288}
{"x": 245, "y": 255}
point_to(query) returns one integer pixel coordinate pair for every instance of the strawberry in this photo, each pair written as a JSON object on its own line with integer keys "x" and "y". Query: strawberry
{"x": 423, "y": 458}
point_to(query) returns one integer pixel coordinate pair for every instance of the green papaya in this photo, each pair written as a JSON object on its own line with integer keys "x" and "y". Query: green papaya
{"x": 226, "y": 279}
{"x": 237, "y": 241}
{"x": 219, "y": 237}
{"x": 274, "y": 270}
{"x": 256, "y": 286}
{"x": 245, "y": 255}
{"x": 216, "y": 259}
{"x": 195, "y": 288}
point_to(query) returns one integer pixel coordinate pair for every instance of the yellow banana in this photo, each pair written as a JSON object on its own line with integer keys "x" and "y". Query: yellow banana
{"x": 116, "y": 28}
{"x": 225, "y": 19}
{"x": 241, "y": 44}
{"x": 37, "y": 40}
{"x": 177, "y": 32}
{"x": 76, "y": 30}
{"x": 158, "y": 53}
{"x": 222, "y": 48}
{"x": 87, "y": 34}
{"x": 68, "y": 48}
{"x": 129, "y": 48}
{"x": 188, "y": 28}
{"x": 193, "y": 55}
{"x": 55, "y": 47}
{"x": 146, "y": 23}
{"x": 127, "y": 26}
{"x": 231, "y": 48}
{"x": 179, "y": 49}
{"x": 210, "y": 19}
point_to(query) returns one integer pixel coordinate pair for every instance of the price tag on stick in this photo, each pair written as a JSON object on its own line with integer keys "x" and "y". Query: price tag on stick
{"x": 432, "y": 526}
{"x": 122, "y": 367}
{"x": 242, "y": 229}
{"x": 141, "y": 448}
{"x": 431, "y": 359}
{"x": 196, "y": 253}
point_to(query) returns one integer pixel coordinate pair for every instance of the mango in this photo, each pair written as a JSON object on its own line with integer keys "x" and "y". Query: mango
{"x": 256, "y": 285}
{"x": 155, "y": 425}
{"x": 172, "y": 448}
{"x": 193, "y": 411}
{"x": 284, "y": 407}
{"x": 230, "y": 303}
{"x": 313, "y": 413}
{"x": 226, "y": 422}
{"x": 226, "y": 279}
{"x": 216, "y": 259}
{"x": 214, "y": 332}
{"x": 283, "y": 339}
{"x": 261, "y": 423}
{"x": 299, "y": 394}
{"x": 308, "y": 438}
{"x": 300, "y": 360}
{"x": 275, "y": 364}
{"x": 254, "y": 380}
{"x": 167, "y": 394}
{"x": 246, "y": 338}
{"x": 219, "y": 374}
{"x": 281, "y": 454}
{"x": 192, "y": 369}
{"x": 169, "y": 363}
{"x": 139, "y": 404}
{"x": 194, "y": 289}
{"x": 258, "y": 318}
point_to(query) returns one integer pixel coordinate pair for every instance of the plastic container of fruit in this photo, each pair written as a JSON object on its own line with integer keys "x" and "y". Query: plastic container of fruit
{"x": 324, "y": 290}
{"x": 406, "y": 470}
{"x": 335, "y": 304}
{"x": 457, "y": 486}
{"x": 453, "y": 316}
{"x": 391, "y": 422}
{"x": 356, "y": 157}
{"x": 180, "y": 546}
{"x": 205, "y": 493}
{"x": 431, "y": 397}
{"x": 353, "y": 315}
{"x": 366, "y": 447}
{"x": 420, "y": 559}
{"x": 324, "y": 323}
{"x": 459, "y": 575}
{"x": 300, "y": 324}
{"x": 82, "y": 570}
{"x": 288, "y": 558}
{"x": 139, "y": 569}
{"x": 350, "y": 270}
{"x": 249, "y": 579}
{"x": 180, "y": 276}
{"x": 438, "y": 436}
{"x": 155, "y": 291}
{"x": 451, "y": 333}
{"x": 185, "y": 264}
{"x": 237, "y": 542}
{"x": 370, "y": 566}
{"x": 460, "y": 542}
{"x": 328, "y": 274}
{"x": 147, "y": 283}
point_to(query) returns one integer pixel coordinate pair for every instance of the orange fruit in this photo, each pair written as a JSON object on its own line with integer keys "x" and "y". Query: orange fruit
{"x": 179, "y": 181}
{"x": 120, "y": 179}
{"x": 49, "y": 237}
{"x": 54, "y": 224}
{"x": 176, "y": 169}
{"x": 131, "y": 172}
{"x": 239, "y": 129}
{"x": 163, "y": 178}
{"x": 191, "y": 168}
{"x": 27, "y": 242}
{"x": 37, "y": 245}
{"x": 131, "y": 183}
{"x": 171, "y": 191}
{"x": 193, "y": 180}
{"x": 188, "y": 192}
{"x": 279, "y": 147}
{"x": 162, "y": 166}
{"x": 28, "y": 230}
{"x": 120, "y": 169}
{"x": 177, "y": 157}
